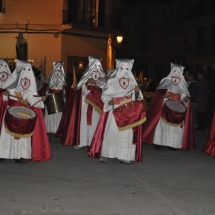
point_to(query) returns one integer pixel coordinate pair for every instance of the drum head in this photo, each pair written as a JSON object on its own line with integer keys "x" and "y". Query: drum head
{"x": 176, "y": 106}
{"x": 14, "y": 110}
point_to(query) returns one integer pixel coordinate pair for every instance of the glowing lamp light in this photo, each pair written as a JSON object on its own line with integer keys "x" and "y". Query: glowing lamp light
{"x": 119, "y": 39}
{"x": 80, "y": 65}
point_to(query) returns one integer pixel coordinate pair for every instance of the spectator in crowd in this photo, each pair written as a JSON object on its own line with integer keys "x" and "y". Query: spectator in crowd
{"x": 210, "y": 74}
{"x": 186, "y": 74}
{"x": 193, "y": 90}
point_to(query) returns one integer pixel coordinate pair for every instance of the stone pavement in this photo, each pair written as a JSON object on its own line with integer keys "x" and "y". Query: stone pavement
{"x": 166, "y": 183}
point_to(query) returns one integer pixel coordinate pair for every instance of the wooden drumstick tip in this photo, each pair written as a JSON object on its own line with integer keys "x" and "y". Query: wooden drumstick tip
{"x": 24, "y": 114}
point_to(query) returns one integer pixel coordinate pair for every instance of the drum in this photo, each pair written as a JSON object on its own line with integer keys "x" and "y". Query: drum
{"x": 173, "y": 112}
{"x": 20, "y": 121}
{"x": 55, "y": 103}
{"x": 129, "y": 115}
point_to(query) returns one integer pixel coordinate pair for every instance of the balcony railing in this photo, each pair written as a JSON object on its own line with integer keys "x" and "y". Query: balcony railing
{"x": 91, "y": 19}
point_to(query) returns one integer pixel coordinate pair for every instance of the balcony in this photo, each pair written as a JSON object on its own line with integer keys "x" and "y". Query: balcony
{"x": 91, "y": 19}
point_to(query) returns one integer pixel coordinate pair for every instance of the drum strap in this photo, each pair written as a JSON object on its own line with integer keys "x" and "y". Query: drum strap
{"x": 55, "y": 91}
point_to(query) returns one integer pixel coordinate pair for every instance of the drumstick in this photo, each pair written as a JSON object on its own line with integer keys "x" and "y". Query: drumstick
{"x": 132, "y": 90}
{"x": 36, "y": 102}
{"x": 54, "y": 85}
{"x": 39, "y": 100}
{"x": 16, "y": 97}
{"x": 187, "y": 98}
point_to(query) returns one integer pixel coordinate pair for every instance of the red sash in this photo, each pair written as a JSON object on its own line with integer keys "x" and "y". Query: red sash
{"x": 55, "y": 91}
{"x": 93, "y": 99}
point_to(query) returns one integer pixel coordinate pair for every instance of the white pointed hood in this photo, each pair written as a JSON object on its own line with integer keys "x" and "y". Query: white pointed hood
{"x": 122, "y": 80}
{"x": 22, "y": 79}
{"x": 57, "y": 78}
{"x": 5, "y": 72}
{"x": 175, "y": 81}
{"x": 94, "y": 70}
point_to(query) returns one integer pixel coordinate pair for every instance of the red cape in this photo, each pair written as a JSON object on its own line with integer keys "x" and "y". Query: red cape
{"x": 209, "y": 146}
{"x": 153, "y": 115}
{"x": 41, "y": 150}
{"x": 71, "y": 133}
{"x": 3, "y": 106}
{"x": 70, "y": 99}
{"x": 96, "y": 144}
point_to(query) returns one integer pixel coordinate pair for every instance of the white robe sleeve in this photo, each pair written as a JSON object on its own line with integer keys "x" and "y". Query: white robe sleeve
{"x": 183, "y": 96}
{"x": 32, "y": 100}
{"x": 105, "y": 100}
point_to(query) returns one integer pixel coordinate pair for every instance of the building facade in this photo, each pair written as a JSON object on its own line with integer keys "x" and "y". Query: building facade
{"x": 58, "y": 30}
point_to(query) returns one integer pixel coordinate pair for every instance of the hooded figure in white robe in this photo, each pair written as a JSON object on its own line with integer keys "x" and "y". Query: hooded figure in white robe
{"x": 86, "y": 107}
{"x": 93, "y": 76}
{"x": 56, "y": 84}
{"x": 118, "y": 142}
{"x": 20, "y": 91}
{"x": 169, "y": 118}
{"x": 5, "y": 72}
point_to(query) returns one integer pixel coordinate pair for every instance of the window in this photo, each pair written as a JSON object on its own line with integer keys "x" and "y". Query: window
{"x": 80, "y": 12}
{"x": 86, "y": 11}
{"x": 98, "y": 13}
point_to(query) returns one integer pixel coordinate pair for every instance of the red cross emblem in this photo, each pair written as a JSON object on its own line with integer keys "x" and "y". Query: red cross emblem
{"x": 57, "y": 73}
{"x": 124, "y": 82}
{"x": 25, "y": 83}
{"x": 175, "y": 80}
{"x": 95, "y": 75}
{"x": 3, "y": 76}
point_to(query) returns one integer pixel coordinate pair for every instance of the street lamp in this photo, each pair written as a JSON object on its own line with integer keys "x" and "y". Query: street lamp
{"x": 119, "y": 39}
{"x": 113, "y": 41}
